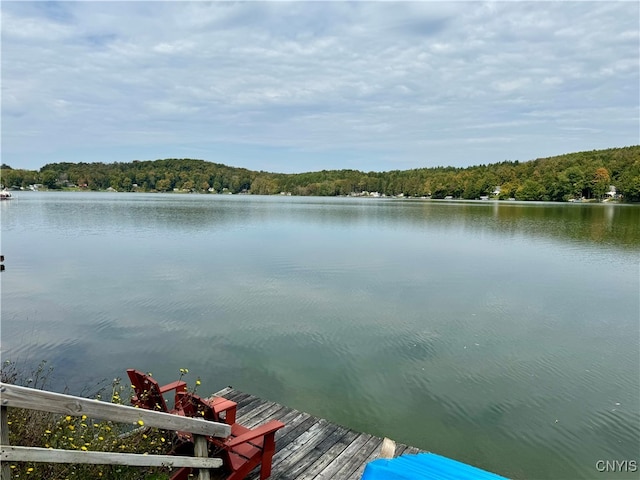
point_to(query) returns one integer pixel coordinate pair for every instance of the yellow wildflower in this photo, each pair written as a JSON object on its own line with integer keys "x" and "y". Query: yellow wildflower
{"x": 83, "y": 448}
{"x": 68, "y": 418}
{"x": 140, "y": 422}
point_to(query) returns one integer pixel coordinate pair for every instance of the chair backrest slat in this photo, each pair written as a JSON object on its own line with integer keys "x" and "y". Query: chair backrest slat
{"x": 147, "y": 391}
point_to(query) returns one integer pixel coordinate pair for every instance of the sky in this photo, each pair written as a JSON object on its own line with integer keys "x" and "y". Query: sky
{"x": 306, "y": 86}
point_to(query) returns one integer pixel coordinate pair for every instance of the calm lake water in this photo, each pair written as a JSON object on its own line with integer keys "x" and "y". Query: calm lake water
{"x": 505, "y": 335}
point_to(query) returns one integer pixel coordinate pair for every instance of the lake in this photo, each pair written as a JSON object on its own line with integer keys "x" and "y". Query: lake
{"x": 501, "y": 334}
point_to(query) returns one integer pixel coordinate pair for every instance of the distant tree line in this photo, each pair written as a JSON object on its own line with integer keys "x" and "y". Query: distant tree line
{"x": 560, "y": 178}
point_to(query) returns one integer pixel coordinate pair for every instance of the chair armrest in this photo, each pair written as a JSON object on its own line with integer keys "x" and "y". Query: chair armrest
{"x": 178, "y": 386}
{"x": 221, "y": 404}
{"x": 262, "y": 431}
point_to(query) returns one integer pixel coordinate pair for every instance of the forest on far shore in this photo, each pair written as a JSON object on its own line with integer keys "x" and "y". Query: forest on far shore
{"x": 587, "y": 175}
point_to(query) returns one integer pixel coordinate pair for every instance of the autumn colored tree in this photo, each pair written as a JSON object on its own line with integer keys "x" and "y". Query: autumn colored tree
{"x": 601, "y": 182}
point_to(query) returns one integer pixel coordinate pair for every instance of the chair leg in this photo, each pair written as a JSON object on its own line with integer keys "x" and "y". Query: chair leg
{"x": 265, "y": 468}
{"x": 269, "y": 448}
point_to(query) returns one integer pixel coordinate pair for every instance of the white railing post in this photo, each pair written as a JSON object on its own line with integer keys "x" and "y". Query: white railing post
{"x": 200, "y": 450}
{"x": 5, "y": 471}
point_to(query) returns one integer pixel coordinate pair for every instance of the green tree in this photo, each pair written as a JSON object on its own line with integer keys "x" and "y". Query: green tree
{"x": 530, "y": 190}
{"x": 630, "y": 189}
{"x": 50, "y": 179}
{"x": 508, "y": 190}
{"x": 163, "y": 185}
{"x": 572, "y": 182}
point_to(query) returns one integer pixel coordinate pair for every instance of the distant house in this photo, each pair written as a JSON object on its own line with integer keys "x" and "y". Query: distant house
{"x": 612, "y": 192}
{"x": 496, "y": 191}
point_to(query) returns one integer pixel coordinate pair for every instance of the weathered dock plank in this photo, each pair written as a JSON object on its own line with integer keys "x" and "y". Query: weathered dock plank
{"x": 300, "y": 456}
{"x": 410, "y": 450}
{"x": 400, "y": 449}
{"x": 343, "y": 462}
{"x": 356, "y": 468}
{"x": 329, "y": 456}
{"x": 309, "y": 447}
{"x": 267, "y": 410}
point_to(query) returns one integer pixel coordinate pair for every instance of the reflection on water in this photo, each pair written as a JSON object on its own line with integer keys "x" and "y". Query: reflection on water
{"x": 501, "y": 334}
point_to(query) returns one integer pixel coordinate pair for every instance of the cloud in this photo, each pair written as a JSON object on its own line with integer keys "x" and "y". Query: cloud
{"x": 389, "y": 84}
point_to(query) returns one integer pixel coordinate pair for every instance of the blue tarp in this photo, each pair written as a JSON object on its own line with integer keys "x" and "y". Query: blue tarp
{"x": 424, "y": 466}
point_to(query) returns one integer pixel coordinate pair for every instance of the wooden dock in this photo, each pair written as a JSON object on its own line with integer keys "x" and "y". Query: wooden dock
{"x": 309, "y": 447}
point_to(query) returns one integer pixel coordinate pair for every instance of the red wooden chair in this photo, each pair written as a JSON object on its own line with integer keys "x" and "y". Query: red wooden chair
{"x": 242, "y": 451}
{"x": 149, "y": 394}
{"x": 215, "y": 409}
{"x": 246, "y": 448}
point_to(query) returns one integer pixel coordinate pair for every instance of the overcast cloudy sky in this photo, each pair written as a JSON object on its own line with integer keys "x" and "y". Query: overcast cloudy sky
{"x": 301, "y": 86}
